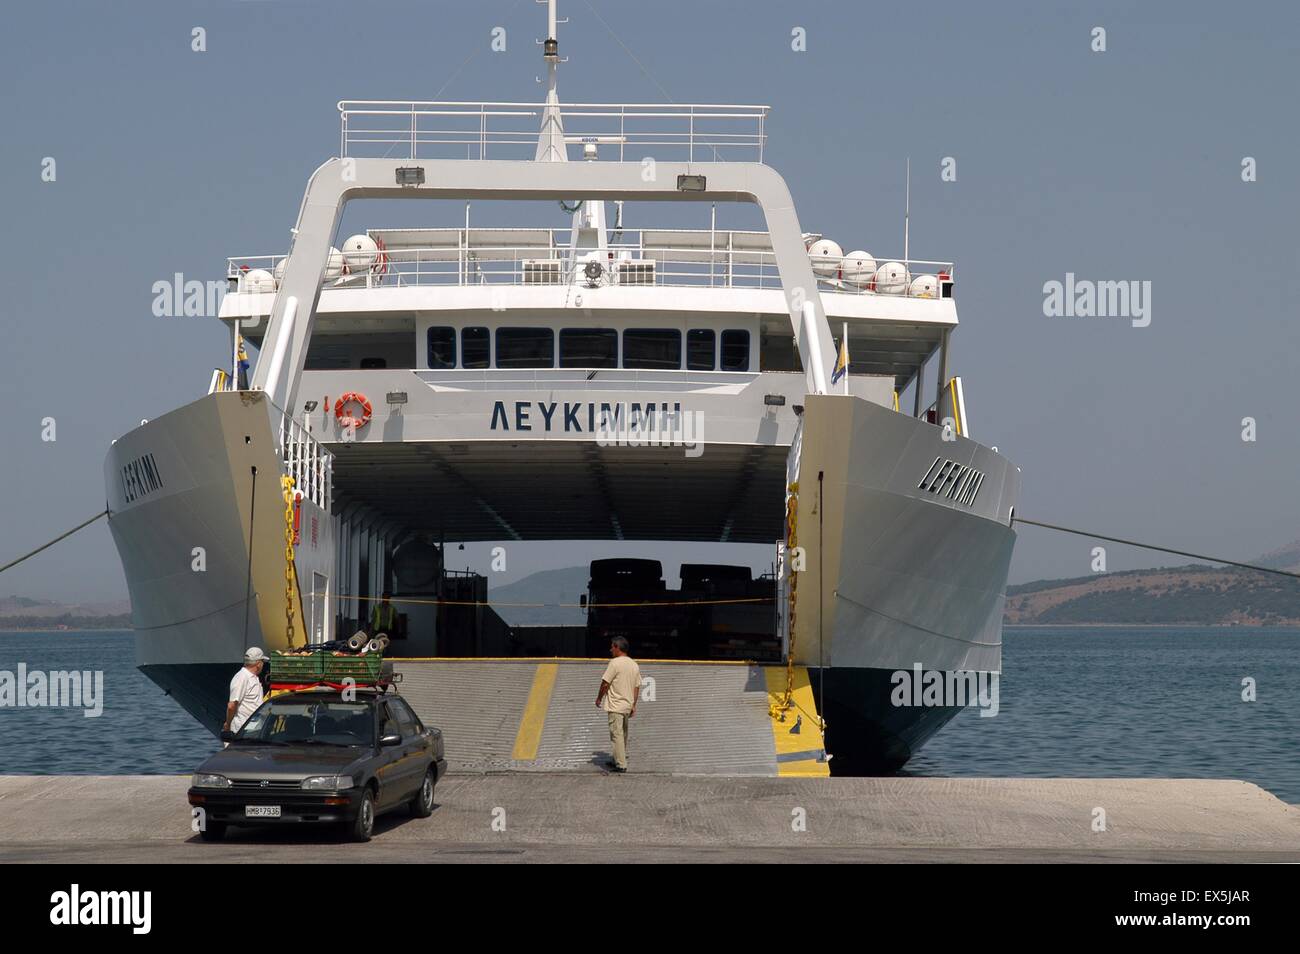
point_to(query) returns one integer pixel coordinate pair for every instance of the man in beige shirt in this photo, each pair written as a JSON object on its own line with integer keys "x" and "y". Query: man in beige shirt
{"x": 620, "y": 688}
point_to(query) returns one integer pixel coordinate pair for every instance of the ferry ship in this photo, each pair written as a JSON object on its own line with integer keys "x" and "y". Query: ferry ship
{"x": 419, "y": 388}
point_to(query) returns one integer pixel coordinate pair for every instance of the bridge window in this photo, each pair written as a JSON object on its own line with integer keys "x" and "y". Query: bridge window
{"x": 474, "y": 348}
{"x": 525, "y": 348}
{"x": 735, "y": 350}
{"x": 656, "y": 348}
{"x": 699, "y": 349}
{"x": 442, "y": 347}
{"x": 588, "y": 348}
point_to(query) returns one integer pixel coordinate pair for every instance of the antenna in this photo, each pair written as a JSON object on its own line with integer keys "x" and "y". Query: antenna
{"x": 551, "y": 45}
{"x": 907, "y": 213}
{"x": 550, "y": 142}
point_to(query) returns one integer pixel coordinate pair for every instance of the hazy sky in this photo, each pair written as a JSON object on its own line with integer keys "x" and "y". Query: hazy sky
{"x": 1116, "y": 165}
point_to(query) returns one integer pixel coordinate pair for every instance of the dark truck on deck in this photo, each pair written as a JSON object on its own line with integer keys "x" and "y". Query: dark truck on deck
{"x": 720, "y": 612}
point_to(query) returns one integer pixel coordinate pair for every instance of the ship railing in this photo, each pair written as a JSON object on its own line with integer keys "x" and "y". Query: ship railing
{"x": 630, "y": 265}
{"x": 220, "y": 381}
{"x": 628, "y": 132}
{"x": 949, "y": 409}
{"x": 583, "y": 379}
{"x": 305, "y": 459}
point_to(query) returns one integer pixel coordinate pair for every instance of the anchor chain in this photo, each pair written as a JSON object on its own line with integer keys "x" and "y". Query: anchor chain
{"x": 288, "y": 484}
{"x": 779, "y": 708}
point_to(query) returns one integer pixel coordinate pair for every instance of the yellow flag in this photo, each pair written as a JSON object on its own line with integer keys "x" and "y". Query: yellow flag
{"x": 842, "y": 362}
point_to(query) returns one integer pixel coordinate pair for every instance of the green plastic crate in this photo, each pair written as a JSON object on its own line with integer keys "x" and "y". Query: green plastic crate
{"x": 324, "y": 667}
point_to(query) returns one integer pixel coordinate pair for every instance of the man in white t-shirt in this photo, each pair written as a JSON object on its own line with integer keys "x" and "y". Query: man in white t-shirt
{"x": 620, "y": 688}
{"x": 245, "y": 690}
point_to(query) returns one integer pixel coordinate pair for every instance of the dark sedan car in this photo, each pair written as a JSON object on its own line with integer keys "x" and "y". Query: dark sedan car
{"x": 321, "y": 756}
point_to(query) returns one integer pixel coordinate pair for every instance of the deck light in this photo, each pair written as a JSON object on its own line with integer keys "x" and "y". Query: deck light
{"x": 410, "y": 175}
{"x": 691, "y": 183}
{"x": 774, "y": 400}
{"x": 395, "y": 397}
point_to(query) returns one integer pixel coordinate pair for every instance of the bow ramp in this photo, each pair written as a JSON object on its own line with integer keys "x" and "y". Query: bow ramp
{"x": 694, "y": 718}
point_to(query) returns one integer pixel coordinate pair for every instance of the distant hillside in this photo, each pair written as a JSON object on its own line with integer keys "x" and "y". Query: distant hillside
{"x": 1285, "y": 558}
{"x": 549, "y": 587}
{"x": 26, "y": 606}
{"x": 18, "y": 613}
{"x": 1188, "y": 595}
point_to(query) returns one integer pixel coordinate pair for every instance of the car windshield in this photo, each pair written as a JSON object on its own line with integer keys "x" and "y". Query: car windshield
{"x": 309, "y": 722}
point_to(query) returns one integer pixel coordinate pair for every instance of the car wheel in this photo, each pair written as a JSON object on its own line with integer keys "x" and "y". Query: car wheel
{"x": 422, "y": 804}
{"x": 213, "y": 831}
{"x": 363, "y": 826}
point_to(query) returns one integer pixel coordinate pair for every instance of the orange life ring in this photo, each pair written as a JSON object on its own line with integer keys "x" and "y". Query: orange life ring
{"x": 347, "y": 420}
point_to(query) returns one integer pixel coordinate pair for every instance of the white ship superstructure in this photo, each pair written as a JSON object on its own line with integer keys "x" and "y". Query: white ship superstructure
{"x": 601, "y": 381}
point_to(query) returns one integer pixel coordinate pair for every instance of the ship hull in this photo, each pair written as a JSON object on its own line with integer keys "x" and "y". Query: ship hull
{"x": 196, "y": 511}
{"x": 897, "y": 608}
{"x": 201, "y": 689}
{"x": 913, "y": 581}
{"x": 866, "y": 733}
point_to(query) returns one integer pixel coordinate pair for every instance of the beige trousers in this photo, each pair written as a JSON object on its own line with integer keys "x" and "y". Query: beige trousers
{"x": 618, "y": 737}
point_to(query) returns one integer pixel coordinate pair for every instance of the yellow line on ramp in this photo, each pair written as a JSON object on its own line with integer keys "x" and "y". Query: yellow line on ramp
{"x": 529, "y": 736}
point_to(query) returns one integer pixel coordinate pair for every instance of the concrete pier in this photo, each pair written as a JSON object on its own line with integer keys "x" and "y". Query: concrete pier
{"x": 571, "y": 818}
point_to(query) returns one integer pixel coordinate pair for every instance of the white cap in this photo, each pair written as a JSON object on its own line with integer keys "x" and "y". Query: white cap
{"x": 254, "y": 655}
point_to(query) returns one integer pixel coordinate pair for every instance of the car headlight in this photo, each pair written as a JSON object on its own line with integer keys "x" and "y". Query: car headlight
{"x": 327, "y": 783}
{"x": 204, "y": 780}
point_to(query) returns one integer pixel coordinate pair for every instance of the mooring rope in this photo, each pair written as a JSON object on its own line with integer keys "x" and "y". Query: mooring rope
{"x": 1152, "y": 546}
{"x": 61, "y": 536}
